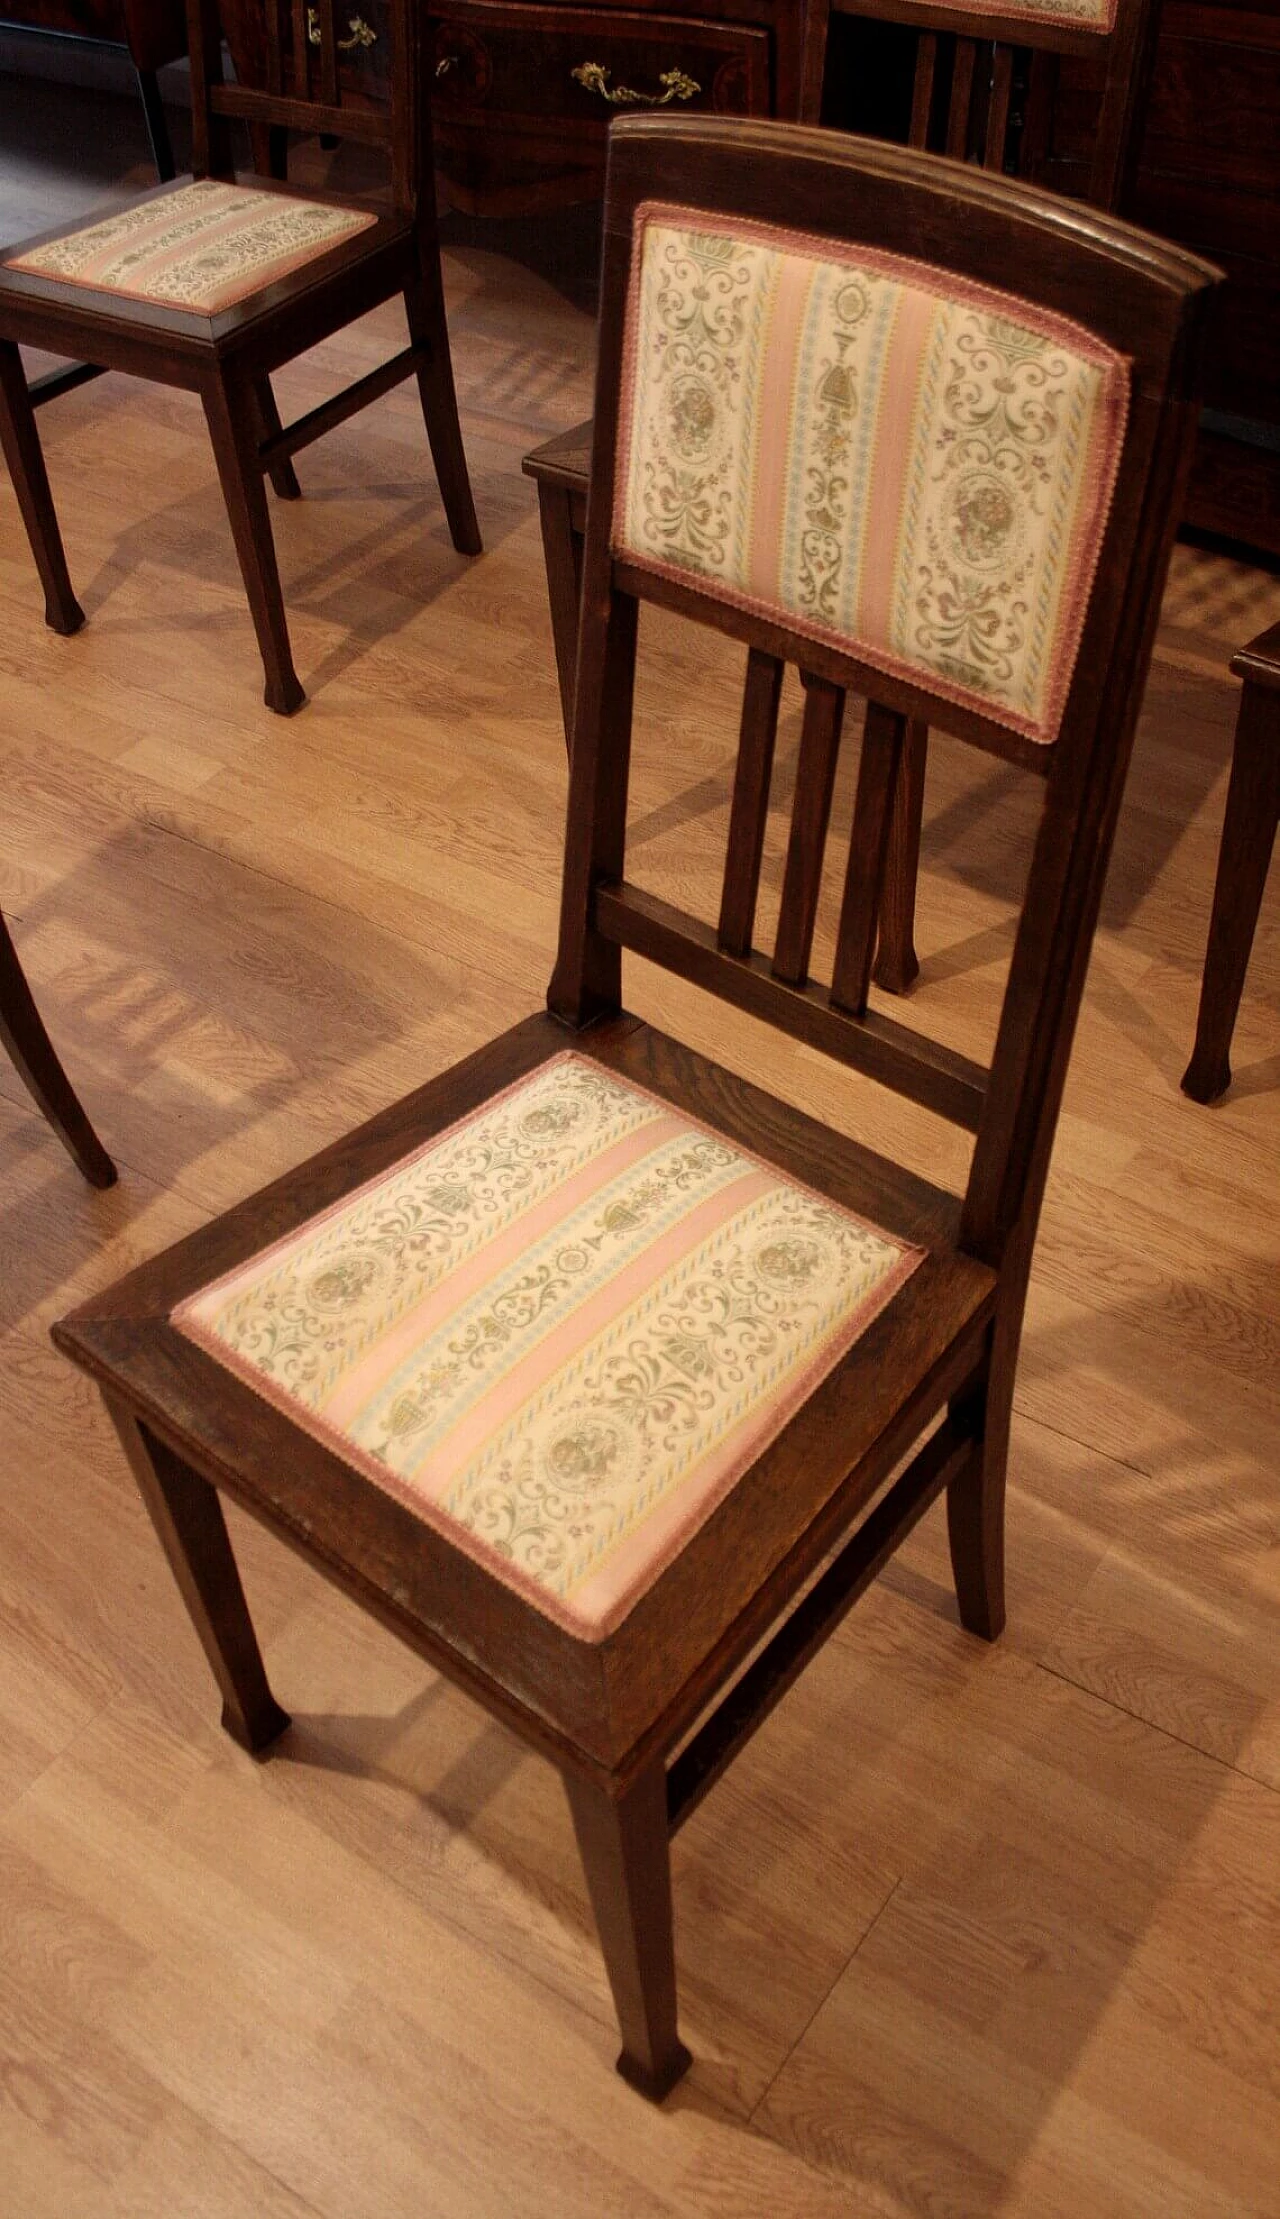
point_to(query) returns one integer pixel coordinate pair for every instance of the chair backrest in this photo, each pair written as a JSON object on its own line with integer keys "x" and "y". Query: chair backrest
{"x": 303, "y": 65}
{"x": 984, "y": 78}
{"x": 849, "y": 445}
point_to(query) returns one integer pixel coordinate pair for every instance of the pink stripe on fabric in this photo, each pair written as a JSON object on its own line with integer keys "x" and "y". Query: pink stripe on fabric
{"x": 509, "y": 1393}
{"x": 770, "y": 469}
{"x": 458, "y": 1287}
{"x": 891, "y": 449}
{"x": 606, "y": 1595}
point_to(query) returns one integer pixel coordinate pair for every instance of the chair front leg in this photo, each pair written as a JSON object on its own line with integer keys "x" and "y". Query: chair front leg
{"x": 625, "y": 1844}
{"x": 897, "y": 963}
{"x": 187, "y": 1515}
{"x": 22, "y": 452}
{"x": 231, "y": 411}
{"x": 424, "y": 310}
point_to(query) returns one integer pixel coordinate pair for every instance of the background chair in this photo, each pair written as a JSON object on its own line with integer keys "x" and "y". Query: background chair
{"x": 578, "y": 1364}
{"x": 968, "y": 65}
{"x": 1248, "y": 836}
{"x": 214, "y": 282}
{"x": 37, "y": 1065}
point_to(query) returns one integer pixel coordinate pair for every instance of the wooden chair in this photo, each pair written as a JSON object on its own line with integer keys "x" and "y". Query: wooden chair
{"x": 1248, "y": 836}
{"x": 577, "y": 1364}
{"x": 36, "y": 1063}
{"x": 213, "y": 282}
{"x": 967, "y": 63}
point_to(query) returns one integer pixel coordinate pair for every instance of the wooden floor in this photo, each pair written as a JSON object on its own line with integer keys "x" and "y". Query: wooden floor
{"x": 968, "y": 1930}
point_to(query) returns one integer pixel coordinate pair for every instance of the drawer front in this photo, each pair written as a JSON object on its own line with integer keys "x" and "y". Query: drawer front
{"x": 587, "y": 65}
{"x": 524, "y": 96}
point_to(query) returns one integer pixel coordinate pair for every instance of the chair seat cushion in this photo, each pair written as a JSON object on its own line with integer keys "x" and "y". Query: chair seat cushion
{"x": 202, "y": 247}
{"x": 560, "y": 1331}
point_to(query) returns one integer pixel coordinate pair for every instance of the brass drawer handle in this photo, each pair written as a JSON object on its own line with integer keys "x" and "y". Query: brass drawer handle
{"x": 362, "y": 33}
{"x": 595, "y": 77}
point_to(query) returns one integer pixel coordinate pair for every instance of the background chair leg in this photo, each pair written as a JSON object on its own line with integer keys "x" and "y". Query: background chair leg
{"x": 626, "y": 1852}
{"x": 23, "y": 1034}
{"x": 157, "y": 125}
{"x": 424, "y": 309}
{"x": 231, "y": 413}
{"x": 283, "y": 476}
{"x": 1248, "y": 835}
{"x": 187, "y": 1515}
{"x": 22, "y": 452}
{"x": 562, "y": 555}
{"x": 897, "y": 963}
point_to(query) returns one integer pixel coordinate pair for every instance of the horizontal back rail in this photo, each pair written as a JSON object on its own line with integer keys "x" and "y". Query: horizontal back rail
{"x": 913, "y": 1065}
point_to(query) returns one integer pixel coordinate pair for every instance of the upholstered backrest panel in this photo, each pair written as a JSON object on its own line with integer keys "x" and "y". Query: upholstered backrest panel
{"x": 1080, "y": 15}
{"x": 874, "y": 452}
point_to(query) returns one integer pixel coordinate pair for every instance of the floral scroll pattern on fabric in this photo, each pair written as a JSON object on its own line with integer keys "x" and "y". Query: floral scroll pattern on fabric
{"x": 560, "y": 1331}
{"x": 203, "y": 247}
{"x": 912, "y": 468}
{"x": 1082, "y": 15}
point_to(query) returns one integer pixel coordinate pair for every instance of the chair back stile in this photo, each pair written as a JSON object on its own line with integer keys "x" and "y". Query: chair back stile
{"x": 1147, "y": 324}
{"x": 301, "y": 87}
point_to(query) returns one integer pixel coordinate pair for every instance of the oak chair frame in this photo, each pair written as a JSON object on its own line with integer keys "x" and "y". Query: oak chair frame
{"x": 228, "y": 358}
{"x": 642, "y": 1722}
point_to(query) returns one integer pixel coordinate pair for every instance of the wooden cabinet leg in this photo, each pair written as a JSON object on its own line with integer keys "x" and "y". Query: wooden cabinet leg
{"x": 897, "y": 963}
{"x": 231, "y": 413}
{"x": 22, "y": 1033}
{"x": 187, "y": 1515}
{"x": 1248, "y": 836}
{"x": 424, "y": 308}
{"x": 21, "y": 443}
{"x": 625, "y": 1845}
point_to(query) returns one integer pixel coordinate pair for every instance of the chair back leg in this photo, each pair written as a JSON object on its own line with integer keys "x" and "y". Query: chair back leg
{"x": 22, "y": 452}
{"x": 231, "y": 411}
{"x": 283, "y": 476}
{"x": 424, "y": 309}
{"x": 1248, "y": 836}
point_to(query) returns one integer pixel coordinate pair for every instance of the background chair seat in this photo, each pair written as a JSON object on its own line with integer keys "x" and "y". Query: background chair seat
{"x": 202, "y": 246}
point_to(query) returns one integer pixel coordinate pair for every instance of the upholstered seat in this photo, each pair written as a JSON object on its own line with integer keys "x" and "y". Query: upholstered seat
{"x": 202, "y": 246}
{"x": 558, "y": 1332}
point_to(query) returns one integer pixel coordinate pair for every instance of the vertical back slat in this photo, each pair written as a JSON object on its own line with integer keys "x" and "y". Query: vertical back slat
{"x": 922, "y": 88}
{"x": 810, "y": 816}
{"x": 301, "y": 51}
{"x": 882, "y": 738}
{"x": 962, "y": 70}
{"x": 750, "y": 809}
{"x": 277, "y": 34}
{"x": 998, "y": 107}
{"x": 323, "y": 12}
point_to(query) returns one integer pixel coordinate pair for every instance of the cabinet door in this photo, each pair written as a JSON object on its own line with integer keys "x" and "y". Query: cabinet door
{"x": 525, "y": 94}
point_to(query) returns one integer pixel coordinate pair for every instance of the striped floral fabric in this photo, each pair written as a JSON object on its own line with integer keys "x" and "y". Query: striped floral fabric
{"x": 559, "y": 1332}
{"x": 882, "y": 456}
{"x": 1082, "y": 15}
{"x": 202, "y": 247}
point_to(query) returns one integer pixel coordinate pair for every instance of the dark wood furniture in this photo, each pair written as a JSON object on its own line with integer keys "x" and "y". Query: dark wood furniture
{"x": 227, "y": 356}
{"x": 152, "y": 32}
{"x": 643, "y": 1720}
{"x": 968, "y": 64}
{"x": 36, "y": 1063}
{"x": 1248, "y": 836}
